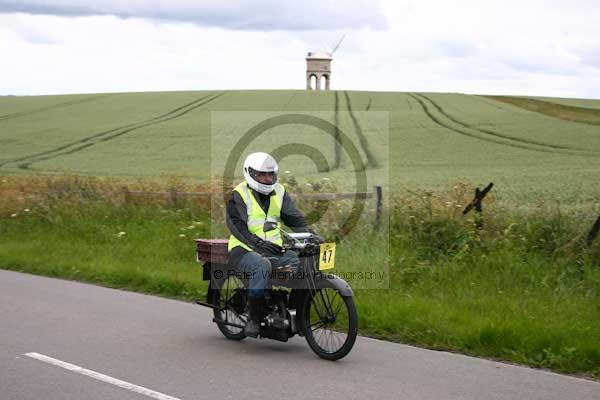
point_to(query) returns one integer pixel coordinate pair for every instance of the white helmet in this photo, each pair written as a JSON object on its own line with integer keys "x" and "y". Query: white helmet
{"x": 260, "y": 162}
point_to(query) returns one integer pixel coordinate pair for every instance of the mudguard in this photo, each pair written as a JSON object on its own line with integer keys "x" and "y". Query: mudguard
{"x": 334, "y": 282}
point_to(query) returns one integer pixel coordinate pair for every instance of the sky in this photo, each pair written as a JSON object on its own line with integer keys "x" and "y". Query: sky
{"x": 526, "y": 47}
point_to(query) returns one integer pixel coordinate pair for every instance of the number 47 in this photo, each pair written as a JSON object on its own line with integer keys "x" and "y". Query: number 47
{"x": 327, "y": 255}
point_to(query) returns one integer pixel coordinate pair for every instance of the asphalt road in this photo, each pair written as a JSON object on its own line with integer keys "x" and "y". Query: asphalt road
{"x": 173, "y": 348}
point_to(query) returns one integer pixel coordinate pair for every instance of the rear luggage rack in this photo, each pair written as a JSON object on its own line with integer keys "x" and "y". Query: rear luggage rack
{"x": 212, "y": 250}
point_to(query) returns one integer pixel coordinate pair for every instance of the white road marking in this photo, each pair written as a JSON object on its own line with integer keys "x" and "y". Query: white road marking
{"x": 101, "y": 377}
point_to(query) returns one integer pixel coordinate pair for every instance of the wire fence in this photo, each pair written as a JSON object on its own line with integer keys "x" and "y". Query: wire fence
{"x": 175, "y": 196}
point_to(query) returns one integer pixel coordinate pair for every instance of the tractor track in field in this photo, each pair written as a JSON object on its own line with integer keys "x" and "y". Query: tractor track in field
{"x": 110, "y": 134}
{"x": 497, "y": 139}
{"x": 486, "y": 131}
{"x": 364, "y": 142}
{"x": 184, "y": 106}
{"x": 337, "y": 138}
{"x": 153, "y": 121}
{"x": 54, "y": 106}
{"x": 292, "y": 97}
{"x": 103, "y": 133}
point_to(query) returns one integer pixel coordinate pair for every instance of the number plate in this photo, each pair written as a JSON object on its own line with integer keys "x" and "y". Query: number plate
{"x": 327, "y": 256}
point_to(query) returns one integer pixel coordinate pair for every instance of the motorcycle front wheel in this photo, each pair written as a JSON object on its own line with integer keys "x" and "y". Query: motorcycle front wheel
{"x": 330, "y": 323}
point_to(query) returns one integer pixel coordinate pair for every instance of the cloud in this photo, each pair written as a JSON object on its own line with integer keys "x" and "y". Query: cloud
{"x": 502, "y": 47}
{"x": 261, "y": 15}
{"x": 589, "y": 53}
{"x": 457, "y": 49}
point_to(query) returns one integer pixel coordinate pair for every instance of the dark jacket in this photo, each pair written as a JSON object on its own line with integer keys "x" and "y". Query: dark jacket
{"x": 237, "y": 220}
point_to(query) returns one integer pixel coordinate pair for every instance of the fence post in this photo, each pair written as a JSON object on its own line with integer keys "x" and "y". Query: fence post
{"x": 593, "y": 232}
{"x": 125, "y": 192}
{"x": 476, "y": 203}
{"x": 173, "y": 192}
{"x": 378, "y": 199}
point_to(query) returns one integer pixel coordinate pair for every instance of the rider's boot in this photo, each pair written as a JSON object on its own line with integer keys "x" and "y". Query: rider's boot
{"x": 255, "y": 304}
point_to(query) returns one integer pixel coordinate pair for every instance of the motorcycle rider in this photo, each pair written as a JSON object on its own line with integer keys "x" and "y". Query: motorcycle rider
{"x": 255, "y": 211}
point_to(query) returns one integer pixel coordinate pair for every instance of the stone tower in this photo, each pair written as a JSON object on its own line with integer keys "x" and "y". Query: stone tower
{"x": 318, "y": 65}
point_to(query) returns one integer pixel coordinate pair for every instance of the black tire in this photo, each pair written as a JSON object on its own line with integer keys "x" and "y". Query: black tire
{"x": 222, "y": 298}
{"x": 340, "y": 333}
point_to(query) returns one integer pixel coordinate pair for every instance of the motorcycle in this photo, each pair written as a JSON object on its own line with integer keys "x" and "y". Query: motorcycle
{"x": 306, "y": 300}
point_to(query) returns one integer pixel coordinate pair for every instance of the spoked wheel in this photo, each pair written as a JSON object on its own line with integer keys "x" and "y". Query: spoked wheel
{"x": 330, "y": 323}
{"x": 230, "y": 297}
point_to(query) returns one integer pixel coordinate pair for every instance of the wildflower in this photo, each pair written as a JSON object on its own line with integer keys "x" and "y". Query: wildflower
{"x": 287, "y": 172}
{"x": 307, "y": 184}
{"x": 14, "y": 215}
{"x": 191, "y": 227}
{"x": 181, "y": 235}
{"x": 325, "y": 179}
{"x": 121, "y": 234}
{"x": 27, "y": 210}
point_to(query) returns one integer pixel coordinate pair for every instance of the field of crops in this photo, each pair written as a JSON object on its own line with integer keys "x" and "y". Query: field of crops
{"x": 405, "y": 140}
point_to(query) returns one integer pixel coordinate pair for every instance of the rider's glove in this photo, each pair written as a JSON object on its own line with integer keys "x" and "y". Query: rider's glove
{"x": 268, "y": 249}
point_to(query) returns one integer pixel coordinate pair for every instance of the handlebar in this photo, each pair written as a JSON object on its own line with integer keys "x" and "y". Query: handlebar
{"x": 303, "y": 241}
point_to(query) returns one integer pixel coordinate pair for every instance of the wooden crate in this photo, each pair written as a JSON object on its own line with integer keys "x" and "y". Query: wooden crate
{"x": 212, "y": 250}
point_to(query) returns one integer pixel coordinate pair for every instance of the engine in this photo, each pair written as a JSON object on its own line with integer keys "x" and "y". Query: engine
{"x": 280, "y": 323}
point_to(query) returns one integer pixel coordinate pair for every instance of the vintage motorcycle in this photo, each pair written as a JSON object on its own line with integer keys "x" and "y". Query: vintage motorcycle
{"x": 306, "y": 300}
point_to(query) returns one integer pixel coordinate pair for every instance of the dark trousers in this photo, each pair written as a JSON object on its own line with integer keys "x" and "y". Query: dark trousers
{"x": 258, "y": 268}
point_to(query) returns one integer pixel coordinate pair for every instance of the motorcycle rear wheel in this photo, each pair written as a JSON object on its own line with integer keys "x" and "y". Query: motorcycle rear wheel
{"x": 224, "y": 297}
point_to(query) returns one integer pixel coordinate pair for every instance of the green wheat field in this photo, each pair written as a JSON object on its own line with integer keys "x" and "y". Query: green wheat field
{"x": 418, "y": 140}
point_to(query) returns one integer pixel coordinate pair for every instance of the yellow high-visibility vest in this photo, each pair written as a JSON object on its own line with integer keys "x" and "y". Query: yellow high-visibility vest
{"x": 257, "y": 216}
